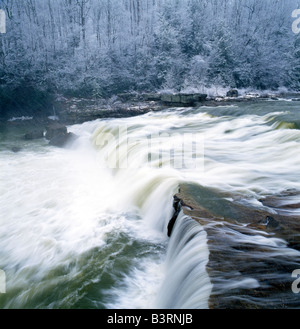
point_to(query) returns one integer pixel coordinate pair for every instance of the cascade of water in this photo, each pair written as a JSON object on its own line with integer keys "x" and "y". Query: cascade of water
{"x": 187, "y": 284}
{"x": 96, "y": 214}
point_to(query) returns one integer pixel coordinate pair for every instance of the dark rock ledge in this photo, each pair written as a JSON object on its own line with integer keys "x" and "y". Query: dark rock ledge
{"x": 54, "y": 132}
{"x": 232, "y": 228}
{"x": 58, "y": 135}
{"x": 74, "y": 110}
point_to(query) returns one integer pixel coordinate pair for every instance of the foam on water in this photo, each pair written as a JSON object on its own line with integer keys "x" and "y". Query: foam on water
{"x": 112, "y": 190}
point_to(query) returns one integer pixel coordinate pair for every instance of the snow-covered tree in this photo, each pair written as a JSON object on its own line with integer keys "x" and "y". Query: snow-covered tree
{"x": 102, "y": 47}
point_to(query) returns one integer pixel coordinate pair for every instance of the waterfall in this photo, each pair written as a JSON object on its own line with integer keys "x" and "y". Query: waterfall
{"x": 150, "y": 187}
{"x": 87, "y": 226}
{"x": 187, "y": 284}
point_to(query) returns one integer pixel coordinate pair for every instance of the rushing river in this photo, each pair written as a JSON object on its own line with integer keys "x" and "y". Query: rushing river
{"x": 86, "y": 226}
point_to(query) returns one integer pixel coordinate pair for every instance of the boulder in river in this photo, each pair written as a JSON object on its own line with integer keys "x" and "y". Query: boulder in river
{"x": 34, "y": 134}
{"x": 61, "y": 140}
{"x": 16, "y": 149}
{"x": 55, "y": 130}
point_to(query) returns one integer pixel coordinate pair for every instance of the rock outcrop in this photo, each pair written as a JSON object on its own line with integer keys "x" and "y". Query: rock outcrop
{"x": 182, "y": 99}
{"x": 233, "y": 93}
{"x": 16, "y": 149}
{"x": 54, "y": 130}
{"x": 74, "y": 110}
{"x": 34, "y": 134}
{"x": 250, "y": 265}
{"x": 62, "y": 140}
{"x": 58, "y": 135}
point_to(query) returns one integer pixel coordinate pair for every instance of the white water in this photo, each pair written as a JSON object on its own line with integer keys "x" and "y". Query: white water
{"x": 58, "y": 205}
{"x": 187, "y": 284}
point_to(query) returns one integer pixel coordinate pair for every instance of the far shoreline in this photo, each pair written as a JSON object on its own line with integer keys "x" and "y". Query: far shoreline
{"x": 76, "y": 110}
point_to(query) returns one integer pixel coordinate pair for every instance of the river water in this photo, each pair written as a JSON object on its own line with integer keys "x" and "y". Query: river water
{"x": 86, "y": 226}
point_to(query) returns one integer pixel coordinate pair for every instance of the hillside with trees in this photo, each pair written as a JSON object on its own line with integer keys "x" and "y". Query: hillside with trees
{"x": 99, "y": 48}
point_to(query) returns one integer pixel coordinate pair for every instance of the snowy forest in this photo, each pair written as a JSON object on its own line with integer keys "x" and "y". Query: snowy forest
{"x": 98, "y": 48}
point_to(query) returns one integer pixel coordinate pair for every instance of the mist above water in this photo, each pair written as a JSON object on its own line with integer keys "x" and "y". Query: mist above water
{"x": 86, "y": 226}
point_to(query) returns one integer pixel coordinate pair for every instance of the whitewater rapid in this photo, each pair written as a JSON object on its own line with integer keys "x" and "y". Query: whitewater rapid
{"x": 86, "y": 226}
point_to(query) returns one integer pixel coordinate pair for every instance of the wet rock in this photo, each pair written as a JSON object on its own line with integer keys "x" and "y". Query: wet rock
{"x": 187, "y": 99}
{"x": 34, "y": 134}
{"x": 16, "y": 149}
{"x": 200, "y": 97}
{"x": 285, "y": 203}
{"x": 177, "y": 208}
{"x": 272, "y": 223}
{"x": 232, "y": 93}
{"x": 55, "y": 130}
{"x": 61, "y": 140}
{"x": 245, "y": 267}
{"x": 168, "y": 98}
{"x": 182, "y": 99}
{"x": 152, "y": 97}
{"x": 267, "y": 224}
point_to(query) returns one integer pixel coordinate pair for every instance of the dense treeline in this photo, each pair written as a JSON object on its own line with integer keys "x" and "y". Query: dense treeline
{"x": 103, "y": 47}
